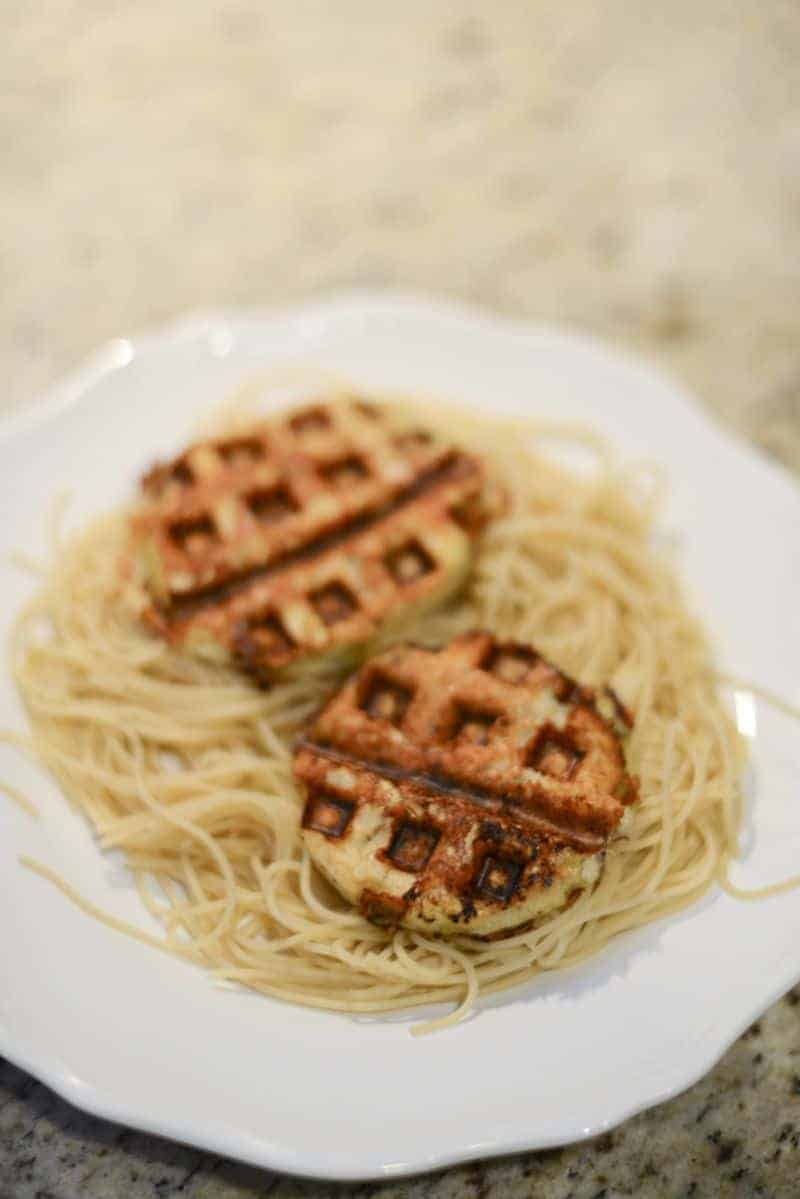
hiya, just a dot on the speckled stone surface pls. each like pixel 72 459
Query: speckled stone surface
pixel 632 169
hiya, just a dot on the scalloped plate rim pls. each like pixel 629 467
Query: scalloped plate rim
pixel 261 1151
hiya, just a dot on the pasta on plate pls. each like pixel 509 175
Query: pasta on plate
pixel 186 765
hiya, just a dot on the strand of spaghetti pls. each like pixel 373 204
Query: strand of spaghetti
pixel 470 991
pixel 21 800
pixel 193 830
pixel 723 872
pixel 420 972
pixel 666 806
pixel 340 918
pixel 137 831
pixel 91 909
pixel 765 892
pixel 770 697
pixel 28 563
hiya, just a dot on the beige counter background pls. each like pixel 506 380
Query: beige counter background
pixel 632 169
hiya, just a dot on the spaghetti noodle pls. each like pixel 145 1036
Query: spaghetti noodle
pixel 186 767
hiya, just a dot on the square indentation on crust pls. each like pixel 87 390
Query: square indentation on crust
pixel 175 474
pixel 333 603
pixel 409 562
pixel 499 877
pixel 412 845
pixel 385 700
pixel 469 515
pixel 327 814
pixel 310 420
pixel 271 504
pixel 366 408
pixel 382 909
pixel 182 473
pixel 471 726
pixel 414 439
pixel 512 664
pixel 240 451
pixel 345 472
pixel 554 753
pixel 194 536
pixel 269 635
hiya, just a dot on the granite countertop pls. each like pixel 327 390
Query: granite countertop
pixel 629 169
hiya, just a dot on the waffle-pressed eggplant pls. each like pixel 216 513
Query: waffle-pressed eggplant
pixel 301 538
pixel 467 789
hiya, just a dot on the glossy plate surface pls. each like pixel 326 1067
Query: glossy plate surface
pixel 131 1034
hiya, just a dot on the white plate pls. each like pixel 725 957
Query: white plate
pixel 131 1034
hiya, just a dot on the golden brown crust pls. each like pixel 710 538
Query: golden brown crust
pixel 472 786
pixel 304 535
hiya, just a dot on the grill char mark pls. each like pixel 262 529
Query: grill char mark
pixel 328 814
pixel 183 605
pixel 450 789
